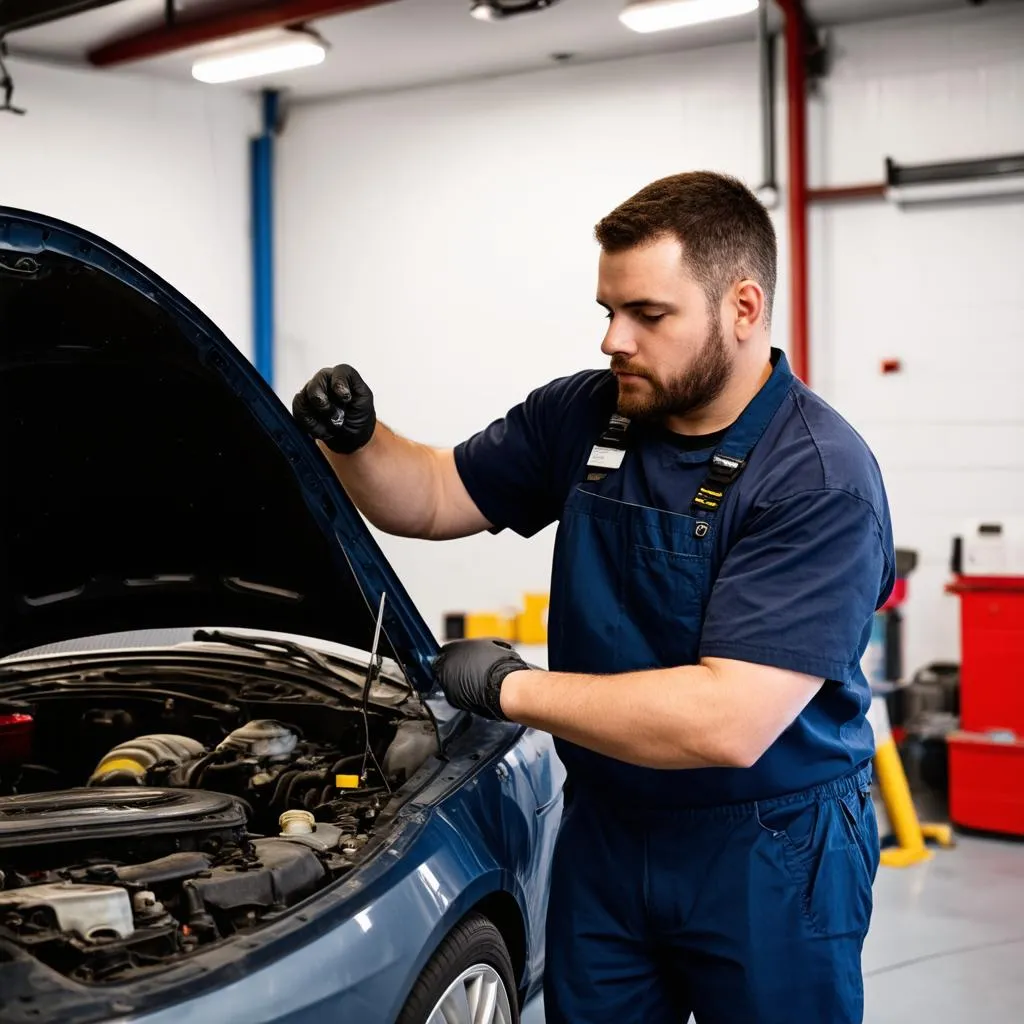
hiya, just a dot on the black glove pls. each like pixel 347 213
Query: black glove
pixel 336 407
pixel 471 673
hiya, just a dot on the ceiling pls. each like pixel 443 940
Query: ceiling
pixel 407 43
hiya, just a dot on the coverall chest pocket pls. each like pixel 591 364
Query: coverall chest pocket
pixel 665 585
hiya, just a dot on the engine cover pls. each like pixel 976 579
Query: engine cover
pixel 82 815
pixel 93 912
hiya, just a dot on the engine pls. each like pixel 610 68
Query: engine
pixel 264 761
pixel 172 842
pixel 106 910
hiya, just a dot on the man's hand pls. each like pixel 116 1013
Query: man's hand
pixel 471 673
pixel 336 407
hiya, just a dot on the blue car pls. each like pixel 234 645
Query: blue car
pixel 230 788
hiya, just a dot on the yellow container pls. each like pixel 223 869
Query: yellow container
pixel 532 621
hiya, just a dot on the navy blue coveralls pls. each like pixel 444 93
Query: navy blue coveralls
pixel 734 894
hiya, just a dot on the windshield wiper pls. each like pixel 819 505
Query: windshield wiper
pixel 290 651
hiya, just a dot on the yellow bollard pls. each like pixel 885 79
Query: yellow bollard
pixel 899 805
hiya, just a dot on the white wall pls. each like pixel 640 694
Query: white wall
pixel 158 168
pixel 441 241
pixel 938 288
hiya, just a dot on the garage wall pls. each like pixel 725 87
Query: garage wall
pixel 440 239
pixel 937 288
pixel 158 168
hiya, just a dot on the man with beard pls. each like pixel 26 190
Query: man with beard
pixel 724 540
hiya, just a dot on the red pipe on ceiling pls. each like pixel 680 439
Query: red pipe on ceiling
pixel 796 106
pixel 205 29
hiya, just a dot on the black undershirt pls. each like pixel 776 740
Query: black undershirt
pixel 683 442
pixel 695 442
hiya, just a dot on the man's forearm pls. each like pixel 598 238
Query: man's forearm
pixel 665 718
pixel 393 482
pixel 689 717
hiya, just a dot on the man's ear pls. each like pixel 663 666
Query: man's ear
pixel 749 304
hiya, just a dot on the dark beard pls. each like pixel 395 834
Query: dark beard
pixel 695 389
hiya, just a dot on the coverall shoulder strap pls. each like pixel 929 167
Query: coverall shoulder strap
pixel 610 450
pixel 730 458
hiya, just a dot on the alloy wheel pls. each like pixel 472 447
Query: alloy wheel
pixel 477 996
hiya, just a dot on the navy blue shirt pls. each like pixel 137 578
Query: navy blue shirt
pixel 803 558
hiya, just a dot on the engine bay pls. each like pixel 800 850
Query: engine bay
pixel 144 817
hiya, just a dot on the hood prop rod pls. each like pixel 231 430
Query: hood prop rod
pixel 372 671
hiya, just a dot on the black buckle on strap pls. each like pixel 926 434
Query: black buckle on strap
pixel 724 470
pixel 614 435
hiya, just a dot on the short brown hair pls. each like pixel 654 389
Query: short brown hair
pixel 725 232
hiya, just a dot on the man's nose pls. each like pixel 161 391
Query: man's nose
pixel 619 339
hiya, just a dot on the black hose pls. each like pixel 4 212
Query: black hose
pixel 281 780
pixel 198 770
pixel 344 766
pixel 766 69
pixel 300 777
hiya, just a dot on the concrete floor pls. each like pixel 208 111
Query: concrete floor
pixel 947 938
pixel 946 941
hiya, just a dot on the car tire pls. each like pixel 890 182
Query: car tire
pixel 472 967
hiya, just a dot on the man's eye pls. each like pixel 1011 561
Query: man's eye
pixel 652 318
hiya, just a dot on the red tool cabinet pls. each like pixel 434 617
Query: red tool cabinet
pixel 986 757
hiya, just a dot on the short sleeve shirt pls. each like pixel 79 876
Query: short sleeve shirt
pixel 805 531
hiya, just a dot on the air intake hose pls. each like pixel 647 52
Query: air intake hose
pixel 129 763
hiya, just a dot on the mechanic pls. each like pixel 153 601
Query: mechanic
pixel 723 542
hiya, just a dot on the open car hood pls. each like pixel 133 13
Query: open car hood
pixel 151 478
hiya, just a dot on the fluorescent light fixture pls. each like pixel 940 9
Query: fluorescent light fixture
pixel 263 54
pixel 498 10
pixel 659 15
pixel 483 11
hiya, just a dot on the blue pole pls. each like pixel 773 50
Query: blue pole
pixel 262 187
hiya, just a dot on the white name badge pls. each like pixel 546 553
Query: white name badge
pixel 606 458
